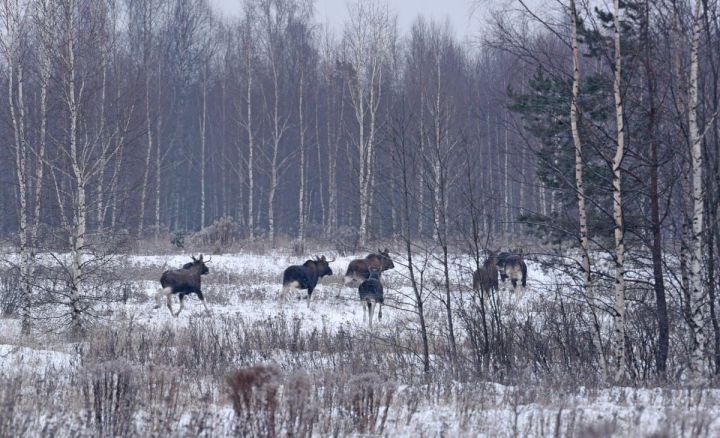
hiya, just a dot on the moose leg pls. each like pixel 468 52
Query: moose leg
pixel 182 305
pixel 163 291
pixel 371 308
pixel 310 291
pixel 168 300
pixel 202 300
pixel 380 312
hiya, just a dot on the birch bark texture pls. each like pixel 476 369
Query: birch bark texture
pixel 697 292
pixel 619 232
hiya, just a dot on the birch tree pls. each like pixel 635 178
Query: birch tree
pixel 367 37
pixel 697 292
pixel 619 232
pixel 82 149
pixel 580 187
pixel 276 16
pixel 13 16
pixel 144 14
pixel 248 55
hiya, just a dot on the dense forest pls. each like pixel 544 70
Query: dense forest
pixel 567 128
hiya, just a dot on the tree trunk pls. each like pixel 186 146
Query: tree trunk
pixel 580 187
pixel 301 195
pixel 656 248
pixel 697 292
pixel 617 207
pixel 203 124
pixel 77 236
pixel 148 155
pixel 16 104
pixel 251 157
pixel 158 160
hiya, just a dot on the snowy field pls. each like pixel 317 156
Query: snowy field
pixel 143 372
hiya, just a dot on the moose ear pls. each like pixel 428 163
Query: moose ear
pixel 387 251
pixel 200 258
pixel 193 258
pixel 322 258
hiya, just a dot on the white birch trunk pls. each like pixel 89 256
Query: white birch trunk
pixel 332 163
pixel 77 235
pixel 421 172
pixel 321 188
pixel 17 114
pixel 697 292
pixel 278 130
pixel 148 155
pixel 506 183
pixel 301 195
pixel 617 207
pixel 580 187
pixel 251 156
pixel 40 167
pixel 203 124
pixel 436 165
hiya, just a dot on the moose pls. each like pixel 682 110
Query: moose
pixel 183 282
pixel 485 278
pixel 306 276
pixel 371 293
pixel 512 266
pixel 359 270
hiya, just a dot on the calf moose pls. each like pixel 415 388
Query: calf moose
pixel 183 282
pixel 485 278
pixel 359 270
pixel 306 276
pixel 371 293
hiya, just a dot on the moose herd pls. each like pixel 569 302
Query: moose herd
pixel 363 274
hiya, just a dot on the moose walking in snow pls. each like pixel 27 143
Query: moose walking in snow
pixel 359 270
pixel 307 275
pixel 183 282
pixel 371 293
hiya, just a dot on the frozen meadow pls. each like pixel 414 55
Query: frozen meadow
pixel 316 370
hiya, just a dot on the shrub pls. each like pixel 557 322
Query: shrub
pixel 346 240
pixel 221 233
pixel 10 291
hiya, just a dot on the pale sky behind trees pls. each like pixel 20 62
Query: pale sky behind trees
pixel 465 16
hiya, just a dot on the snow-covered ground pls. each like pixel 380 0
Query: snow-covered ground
pixel 244 294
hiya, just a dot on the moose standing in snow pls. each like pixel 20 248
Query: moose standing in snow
pixel 306 276
pixel 512 266
pixel 359 270
pixel 485 279
pixel 371 293
pixel 183 282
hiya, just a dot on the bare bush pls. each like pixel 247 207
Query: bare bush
pixel 10 291
pixel 368 401
pixel 63 305
pixel 222 233
pixel 254 395
pixel 110 392
pixel 346 240
pixel 12 421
